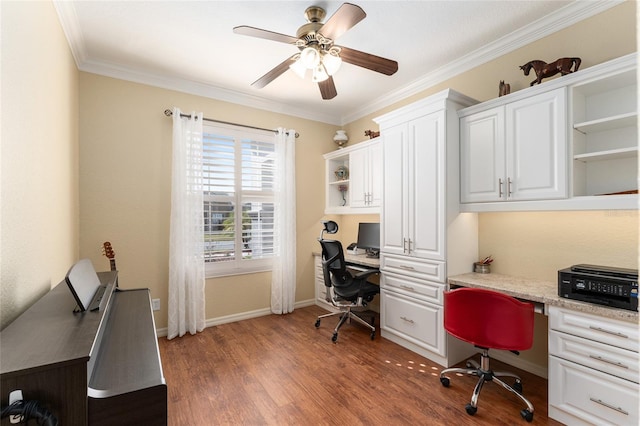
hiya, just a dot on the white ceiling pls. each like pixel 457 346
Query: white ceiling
pixel 190 46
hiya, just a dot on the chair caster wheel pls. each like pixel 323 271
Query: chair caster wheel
pixel 373 335
pixel 517 386
pixel 445 381
pixel 334 338
pixel 471 410
pixel 527 415
pixel 317 323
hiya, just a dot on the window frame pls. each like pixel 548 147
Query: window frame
pixel 239 265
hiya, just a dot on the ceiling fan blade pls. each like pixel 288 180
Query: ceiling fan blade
pixel 327 88
pixel 340 22
pixel 260 33
pixel 369 61
pixel 276 72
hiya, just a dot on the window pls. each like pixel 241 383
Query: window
pixel 238 185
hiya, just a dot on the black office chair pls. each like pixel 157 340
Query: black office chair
pixel 345 290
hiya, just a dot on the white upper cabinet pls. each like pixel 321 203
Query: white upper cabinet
pixel 570 143
pixel 416 140
pixel 365 167
pixel 516 151
pixel 413 175
pixel 354 179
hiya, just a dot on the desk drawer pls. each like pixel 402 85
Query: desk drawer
pixel 605 330
pixel 591 396
pixel 414 287
pixel 608 359
pixel 424 269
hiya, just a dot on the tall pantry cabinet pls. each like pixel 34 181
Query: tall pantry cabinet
pixel 424 237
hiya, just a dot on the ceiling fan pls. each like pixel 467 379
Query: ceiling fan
pixel 317 51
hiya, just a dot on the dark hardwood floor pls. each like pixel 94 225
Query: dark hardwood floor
pixel 282 370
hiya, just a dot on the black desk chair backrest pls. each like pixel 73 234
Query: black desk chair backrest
pixel 334 266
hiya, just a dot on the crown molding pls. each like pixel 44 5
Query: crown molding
pixel 565 17
pixel 202 89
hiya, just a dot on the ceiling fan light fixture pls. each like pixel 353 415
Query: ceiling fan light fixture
pixel 319 74
pixel 298 67
pixel 310 57
pixel 331 62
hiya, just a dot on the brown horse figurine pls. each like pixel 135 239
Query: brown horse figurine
pixel 544 70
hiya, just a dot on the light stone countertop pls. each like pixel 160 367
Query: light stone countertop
pixel 539 291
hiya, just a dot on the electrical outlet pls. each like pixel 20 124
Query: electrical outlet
pixel 155 303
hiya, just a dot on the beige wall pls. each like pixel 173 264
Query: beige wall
pixel 125 177
pixel 39 156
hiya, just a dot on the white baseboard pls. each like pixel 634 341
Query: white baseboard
pixel 162 332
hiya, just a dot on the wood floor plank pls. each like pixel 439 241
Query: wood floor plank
pixel 280 369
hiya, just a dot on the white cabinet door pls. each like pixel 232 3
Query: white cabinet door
pixel 359 176
pixel 366 176
pixel 375 175
pixel 426 187
pixel 537 147
pixel 393 227
pixel 482 156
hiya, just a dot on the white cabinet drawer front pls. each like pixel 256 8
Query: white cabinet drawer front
pixel 425 269
pixel 595 397
pixel 420 323
pixel 608 359
pixel 609 331
pixel 425 290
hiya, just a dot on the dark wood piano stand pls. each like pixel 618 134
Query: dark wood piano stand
pixel 90 368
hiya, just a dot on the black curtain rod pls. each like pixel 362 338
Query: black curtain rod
pixel 169 113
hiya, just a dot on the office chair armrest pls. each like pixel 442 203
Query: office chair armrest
pixel 364 275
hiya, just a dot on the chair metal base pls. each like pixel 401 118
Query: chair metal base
pixel 485 374
pixel 344 316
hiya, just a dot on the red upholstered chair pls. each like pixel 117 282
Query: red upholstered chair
pixel 488 320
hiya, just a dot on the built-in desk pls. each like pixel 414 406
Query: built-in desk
pixel 593 360
pixel 542 293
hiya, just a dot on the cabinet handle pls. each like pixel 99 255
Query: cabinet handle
pixel 618 409
pixel 608 361
pixel 410 321
pixel 409 245
pixel 508 187
pixel 404 245
pixel 406 287
pixel 499 187
pixel 615 333
pixel 410 268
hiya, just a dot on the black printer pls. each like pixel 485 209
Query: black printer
pixel 603 285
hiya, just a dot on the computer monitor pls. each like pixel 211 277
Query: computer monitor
pixel 369 238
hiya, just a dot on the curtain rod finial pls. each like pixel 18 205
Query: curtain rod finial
pixel 168 112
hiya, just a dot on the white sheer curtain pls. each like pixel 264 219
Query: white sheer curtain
pixel 283 281
pixel 186 257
